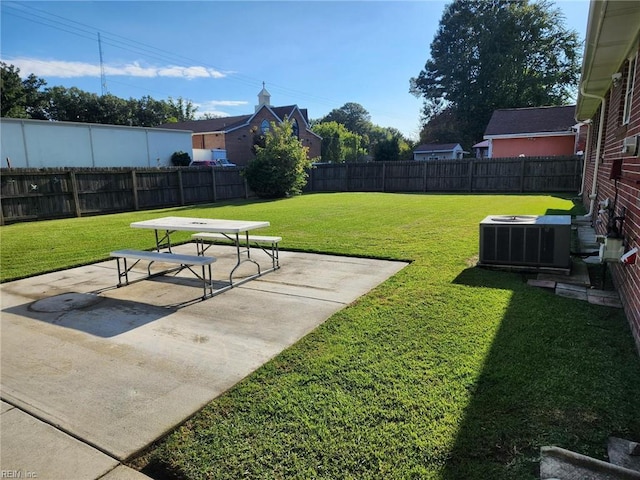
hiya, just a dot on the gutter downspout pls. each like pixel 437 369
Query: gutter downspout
pixel 594 184
pixel 589 124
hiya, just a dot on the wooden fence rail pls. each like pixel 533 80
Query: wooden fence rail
pixel 34 194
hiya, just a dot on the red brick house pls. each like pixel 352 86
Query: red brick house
pixel 609 100
pixel 533 132
pixel 236 134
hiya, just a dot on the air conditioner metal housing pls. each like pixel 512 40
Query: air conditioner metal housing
pixel 526 242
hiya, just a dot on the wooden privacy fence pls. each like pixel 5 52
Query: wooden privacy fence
pixel 499 175
pixel 33 194
pixel 29 194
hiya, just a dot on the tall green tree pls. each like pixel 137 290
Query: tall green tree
pixel 148 112
pixel 20 98
pixel 353 116
pixel 443 127
pixel 181 110
pixel 387 150
pixel 280 167
pixel 114 110
pixel 72 105
pixel 338 143
pixel 490 54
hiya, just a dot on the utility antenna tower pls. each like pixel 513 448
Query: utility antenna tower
pixel 103 78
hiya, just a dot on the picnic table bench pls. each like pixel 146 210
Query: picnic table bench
pixel 183 262
pixel 258 240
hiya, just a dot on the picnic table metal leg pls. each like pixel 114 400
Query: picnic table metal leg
pixel 123 273
pixel 166 237
pixel 239 252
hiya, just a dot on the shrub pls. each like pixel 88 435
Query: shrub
pixel 279 168
pixel 180 159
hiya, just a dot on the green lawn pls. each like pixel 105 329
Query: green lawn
pixel 445 371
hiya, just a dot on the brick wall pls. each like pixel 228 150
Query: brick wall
pixel 625 191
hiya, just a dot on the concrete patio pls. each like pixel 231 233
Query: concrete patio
pixel 92 374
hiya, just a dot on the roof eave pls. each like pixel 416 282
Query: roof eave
pixel 612 31
pixel 562 133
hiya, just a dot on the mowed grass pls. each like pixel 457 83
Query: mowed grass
pixel 445 371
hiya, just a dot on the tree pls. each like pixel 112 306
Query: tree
pixel 334 136
pixel 147 112
pixel 443 127
pixel 72 105
pixel 181 110
pixel 280 167
pixel 209 116
pixel 20 98
pixel 114 110
pixel 490 54
pixel 387 150
pixel 180 159
pixel 353 116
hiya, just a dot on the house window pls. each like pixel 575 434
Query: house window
pixel 295 129
pixel 264 127
pixel 628 94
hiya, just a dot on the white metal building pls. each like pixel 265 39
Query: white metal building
pixel 28 143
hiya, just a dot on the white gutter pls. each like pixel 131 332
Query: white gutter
pixel 594 184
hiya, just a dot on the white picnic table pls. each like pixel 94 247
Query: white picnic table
pixel 236 231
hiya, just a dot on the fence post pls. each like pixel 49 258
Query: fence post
pixel 213 184
pixel 180 186
pixel 471 175
pixel 74 190
pixel 384 175
pixel 424 175
pixel 134 187
pixel 346 175
pixel 522 175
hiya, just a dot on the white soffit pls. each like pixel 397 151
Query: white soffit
pixel 612 32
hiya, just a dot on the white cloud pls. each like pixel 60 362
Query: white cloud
pixel 224 103
pixel 65 69
pixel 211 107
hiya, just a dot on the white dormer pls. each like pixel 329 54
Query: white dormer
pixel 264 98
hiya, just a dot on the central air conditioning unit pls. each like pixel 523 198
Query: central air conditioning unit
pixel 528 242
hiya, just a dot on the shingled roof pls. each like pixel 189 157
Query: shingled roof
pixel 224 124
pixel 212 125
pixel 513 121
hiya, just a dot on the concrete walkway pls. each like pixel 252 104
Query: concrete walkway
pixel 92 374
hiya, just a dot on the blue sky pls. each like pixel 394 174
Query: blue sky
pixel 317 55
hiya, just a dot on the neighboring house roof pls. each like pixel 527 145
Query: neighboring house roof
pixel 516 121
pixel 221 124
pixel 611 30
pixel 482 144
pixel 227 124
pixel 436 147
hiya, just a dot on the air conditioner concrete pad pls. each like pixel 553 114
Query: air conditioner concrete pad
pixel 604 297
pixel 541 283
pixel 571 291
